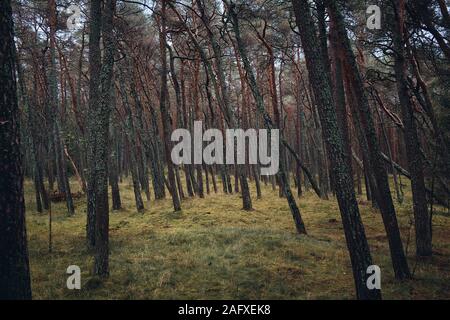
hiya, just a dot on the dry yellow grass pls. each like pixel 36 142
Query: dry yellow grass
pixel 214 250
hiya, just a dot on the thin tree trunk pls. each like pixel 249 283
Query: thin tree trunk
pixel 414 155
pixel 299 224
pixel 63 180
pixel 131 137
pixel 113 160
pixel 166 122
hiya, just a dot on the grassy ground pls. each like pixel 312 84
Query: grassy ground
pixel 214 250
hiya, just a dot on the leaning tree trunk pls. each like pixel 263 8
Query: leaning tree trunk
pixel 354 230
pixel 14 266
pixel 339 97
pixel 414 155
pixel 382 193
pixel 295 211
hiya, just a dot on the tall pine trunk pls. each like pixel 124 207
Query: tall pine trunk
pixel 93 116
pixel 354 230
pixel 14 265
pixel 414 155
pixel 101 258
pixel 165 114
pixel 382 193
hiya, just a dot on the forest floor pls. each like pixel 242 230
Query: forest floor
pixel 215 250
